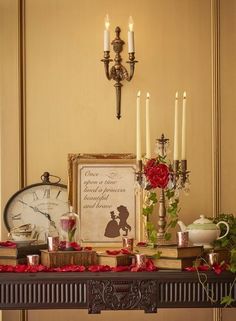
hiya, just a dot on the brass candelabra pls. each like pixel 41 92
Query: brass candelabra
pixel 118 72
pixel 179 177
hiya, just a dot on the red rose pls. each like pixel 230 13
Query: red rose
pixel 158 175
pixel 68 224
pixel 150 164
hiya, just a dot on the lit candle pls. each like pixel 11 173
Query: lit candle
pixel 131 35
pixel 148 141
pixel 138 129
pixel 176 145
pixel 183 154
pixel 107 34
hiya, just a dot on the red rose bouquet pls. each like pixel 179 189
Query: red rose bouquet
pixel 157 173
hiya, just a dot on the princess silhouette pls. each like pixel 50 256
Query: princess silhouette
pixel 112 228
pixel 123 216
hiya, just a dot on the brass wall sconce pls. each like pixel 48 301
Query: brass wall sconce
pixel 118 72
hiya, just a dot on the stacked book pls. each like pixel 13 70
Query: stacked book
pixel 172 256
pixel 18 255
pixel 114 260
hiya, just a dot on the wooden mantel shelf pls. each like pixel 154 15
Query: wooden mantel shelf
pixel 147 291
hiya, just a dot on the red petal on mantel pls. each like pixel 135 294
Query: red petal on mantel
pixel 150 266
pixel 121 268
pixel 142 244
pixel 199 268
pixel 88 248
pixel 8 244
pixel 218 268
pixel 99 268
pixel 113 252
pixel 136 269
pixel 21 268
pixel 7 268
pixel 125 251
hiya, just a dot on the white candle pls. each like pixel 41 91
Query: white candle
pixel 148 140
pixel 138 129
pixel 131 35
pixel 107 34
pixel 183 154
pixel 176 145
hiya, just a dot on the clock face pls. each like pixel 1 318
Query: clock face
pixel 41 205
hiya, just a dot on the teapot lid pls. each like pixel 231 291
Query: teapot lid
pixel 203 223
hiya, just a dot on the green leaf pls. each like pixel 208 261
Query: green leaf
pixel 153 197
pixel 150 226
pixel 170 193
pixel 227 300
pixel 153 236
pixel 148 210
pixel 233 268
pixel 173 223
pixel 167 236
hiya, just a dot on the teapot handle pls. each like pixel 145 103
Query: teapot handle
pixel 227 231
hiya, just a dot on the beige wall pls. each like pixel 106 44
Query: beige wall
pixel 71 106
pixel 228 81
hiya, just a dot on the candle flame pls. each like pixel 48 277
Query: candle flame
pixel 184 95
pixel 107 22
pixel 148 95
pixel 131 24
pixel 139 93
pixel 176 95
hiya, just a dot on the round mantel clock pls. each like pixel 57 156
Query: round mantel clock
pixel 40 204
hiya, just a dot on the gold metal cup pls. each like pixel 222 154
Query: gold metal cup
pixel 213 258
pixel 183 239
pixel 140 260
pixel 128 243
pixel 33 259
pixel 53 243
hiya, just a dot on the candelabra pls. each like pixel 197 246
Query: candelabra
pixel 118 72
pixel 179 179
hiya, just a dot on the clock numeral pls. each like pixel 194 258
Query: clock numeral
pixel 59 192
pixel 16 217
pixel 35 196
pixel 46 193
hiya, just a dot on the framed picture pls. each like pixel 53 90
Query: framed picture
pixel 102 192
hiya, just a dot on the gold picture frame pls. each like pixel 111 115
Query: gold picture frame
pixel 102 191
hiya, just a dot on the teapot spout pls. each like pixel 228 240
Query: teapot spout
pixel 182 226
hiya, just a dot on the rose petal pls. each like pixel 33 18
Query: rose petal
pixel 125 251
pixel 8 244
pixel 113 252
pixel 121 268
pixel 88 248
pixel 142 244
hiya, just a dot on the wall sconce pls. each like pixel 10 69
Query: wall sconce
pixel 118 72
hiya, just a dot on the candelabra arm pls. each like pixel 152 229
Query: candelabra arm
pixel 106 60
pixel 132 63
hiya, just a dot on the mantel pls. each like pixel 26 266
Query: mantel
pixel 147 291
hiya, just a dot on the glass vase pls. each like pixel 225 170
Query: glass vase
pixel 68 223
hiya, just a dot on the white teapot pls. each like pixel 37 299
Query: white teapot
pixel 203 231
